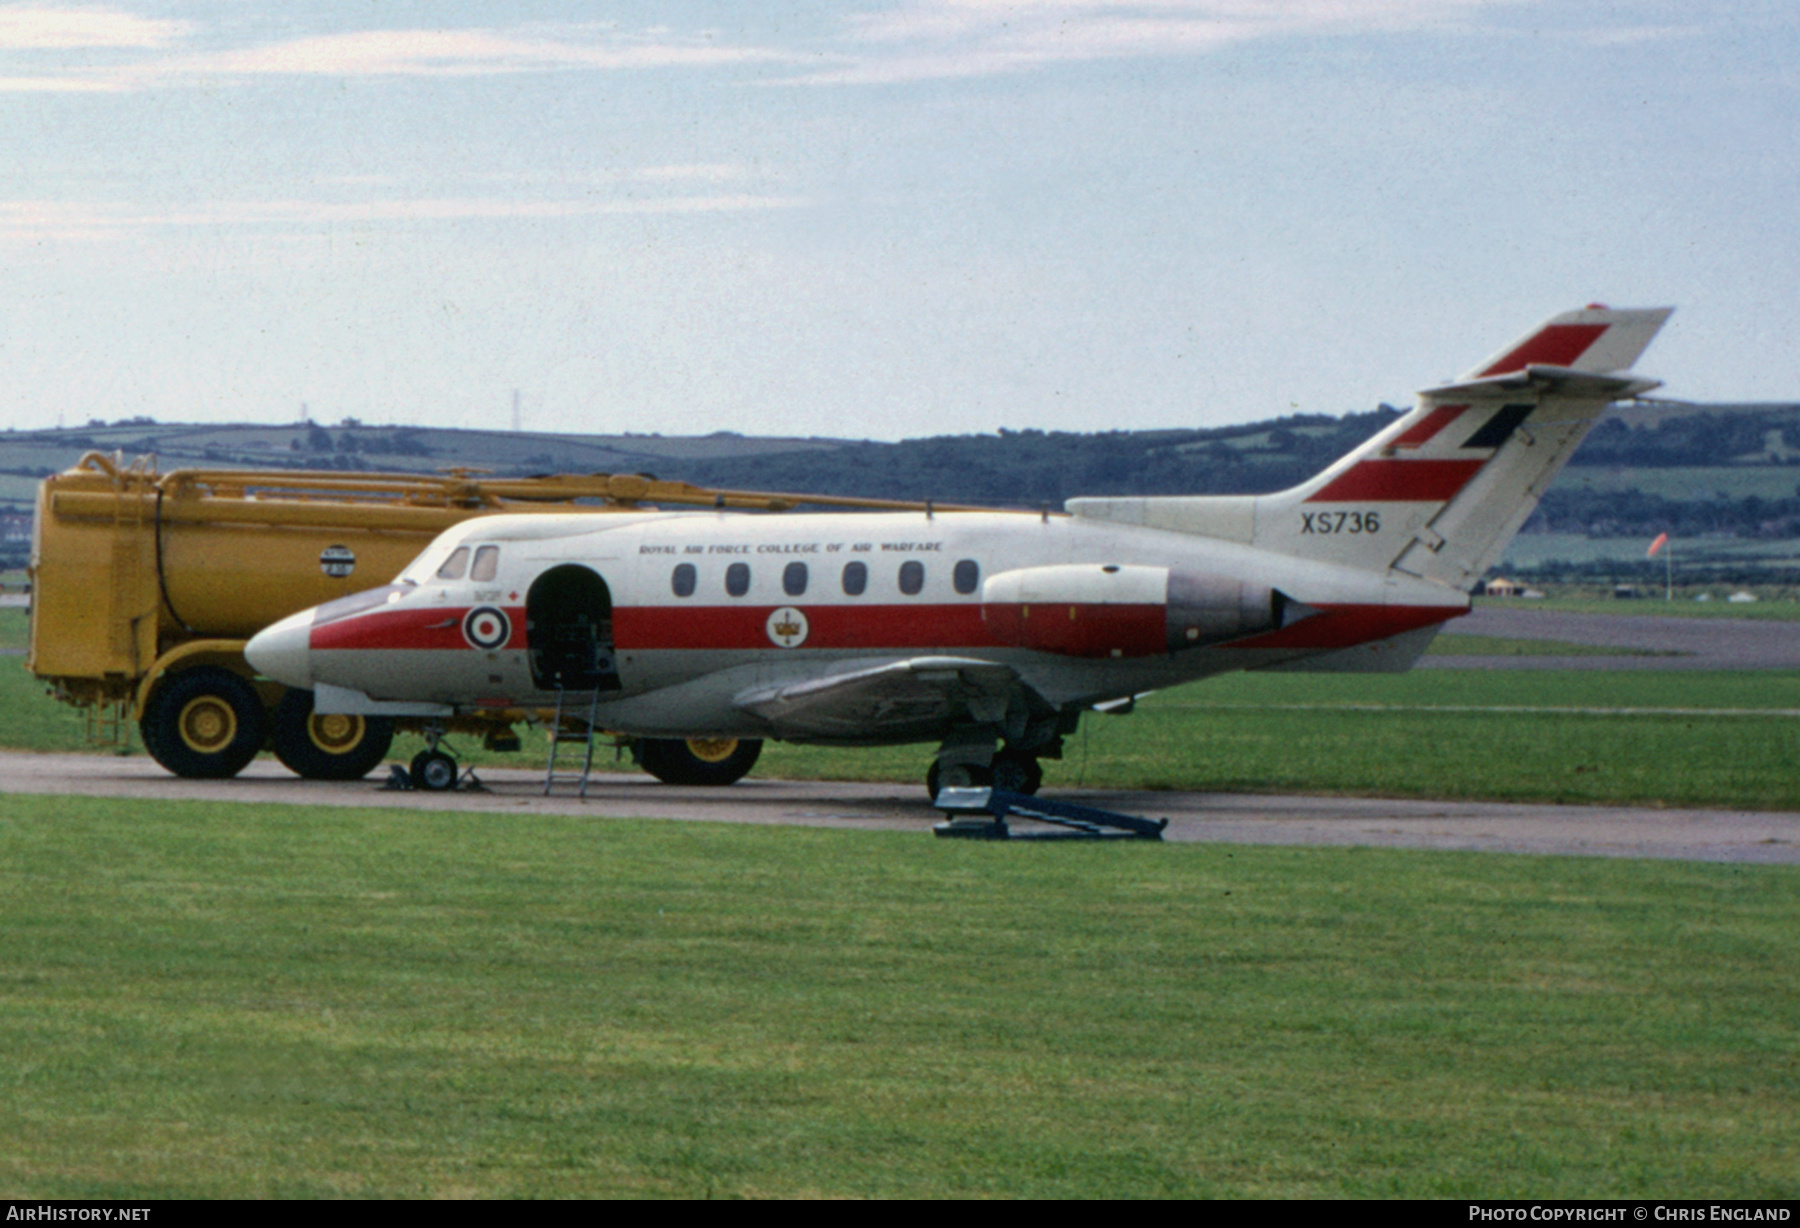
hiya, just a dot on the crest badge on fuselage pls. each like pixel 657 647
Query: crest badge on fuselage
pixel 787 627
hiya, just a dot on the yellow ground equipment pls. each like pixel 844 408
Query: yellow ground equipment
pixel 146 586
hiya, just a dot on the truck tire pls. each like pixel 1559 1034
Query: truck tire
pixel 205 723
pixel 698 761
pixel 328 747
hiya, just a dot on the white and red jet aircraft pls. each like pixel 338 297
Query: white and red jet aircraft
pixel 988 632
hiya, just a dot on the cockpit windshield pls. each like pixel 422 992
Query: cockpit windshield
pixel 455 565
pixel 356 603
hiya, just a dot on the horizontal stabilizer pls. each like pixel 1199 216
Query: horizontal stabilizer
pixel 1545 380
pixel 1593 339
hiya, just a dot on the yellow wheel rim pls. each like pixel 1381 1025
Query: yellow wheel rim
pixel 335 734
pixel 712 750
pixel 207 725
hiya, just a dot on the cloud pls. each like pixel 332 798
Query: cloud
pixel 34 221
pixel 965 38
pixel 467 52
pixel 471 52
pixel 49 29
pixel 61 85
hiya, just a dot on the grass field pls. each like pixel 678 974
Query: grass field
pixel 205 1000
pixel 1460 644
pixel 1778 608
pixel 1535 550
pixel 1696 482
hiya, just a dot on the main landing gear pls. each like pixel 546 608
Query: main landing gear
pixel 1012 770
pixel 1004 754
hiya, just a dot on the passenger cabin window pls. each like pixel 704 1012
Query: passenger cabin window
pixel 912 577
pixel 737 579
pixel 856 579
pixel 683 580
pixel 793 579
pixel 487 562
pixel 455 565
pixel 967 576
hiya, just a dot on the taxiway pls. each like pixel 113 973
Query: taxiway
pixel 1603 831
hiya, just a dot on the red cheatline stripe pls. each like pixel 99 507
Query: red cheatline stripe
pixel 1345 626
pixel 438 628
pixel 1399 481
pixel 888 627
pixel 1433 422
pixel 1557 345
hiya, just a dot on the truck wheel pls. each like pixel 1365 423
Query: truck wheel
pixel 328 747
pixel 698 761
pixel 205 723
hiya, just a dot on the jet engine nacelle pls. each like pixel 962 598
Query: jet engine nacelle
pixel 1112 610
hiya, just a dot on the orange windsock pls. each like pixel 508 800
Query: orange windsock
pixel 1656 545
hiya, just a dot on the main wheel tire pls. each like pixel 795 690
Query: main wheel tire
pixel 433 771
pixel 956 776
pixel 204 723
pixel 1016 772
pixel 698 761
pixel 328 747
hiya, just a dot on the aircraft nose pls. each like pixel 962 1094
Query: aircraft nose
pixel 283 651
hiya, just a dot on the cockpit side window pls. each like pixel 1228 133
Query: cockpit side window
pixel 455 565
pixel 487 564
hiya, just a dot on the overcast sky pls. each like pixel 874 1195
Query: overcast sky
pixel 879 219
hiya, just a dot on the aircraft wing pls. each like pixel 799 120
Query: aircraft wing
pixel 894 699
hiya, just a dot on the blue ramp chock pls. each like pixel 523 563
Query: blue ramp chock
pixel 967 806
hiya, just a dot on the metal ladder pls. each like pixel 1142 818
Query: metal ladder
pixel 568 710
pixel 107 725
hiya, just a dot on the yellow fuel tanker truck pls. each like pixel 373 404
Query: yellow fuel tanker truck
pixel 146 586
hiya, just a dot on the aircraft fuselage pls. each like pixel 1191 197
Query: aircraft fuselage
pixel 703 624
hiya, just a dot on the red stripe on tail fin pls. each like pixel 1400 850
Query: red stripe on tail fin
pixel 1430 425
pixel 1554 345
pixel 1399 481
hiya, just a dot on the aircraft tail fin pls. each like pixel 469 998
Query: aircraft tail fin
pixel 1442 490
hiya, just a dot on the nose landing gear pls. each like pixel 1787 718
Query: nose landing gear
pixel 434 768
pixel 434 771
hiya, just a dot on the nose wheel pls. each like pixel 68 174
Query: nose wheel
pixel 433 771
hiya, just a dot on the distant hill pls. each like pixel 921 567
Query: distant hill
pixel 1698 471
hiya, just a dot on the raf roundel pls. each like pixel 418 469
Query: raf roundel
pixel 486 627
